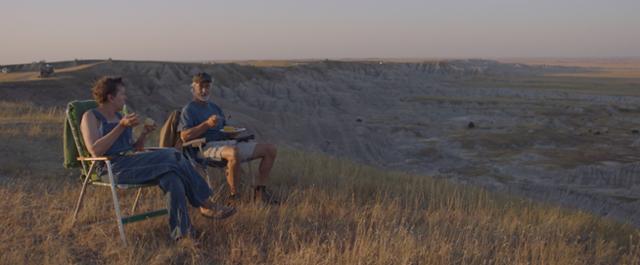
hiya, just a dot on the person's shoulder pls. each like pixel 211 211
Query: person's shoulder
pixel 213 105
pixel 189 107
pixel 89 114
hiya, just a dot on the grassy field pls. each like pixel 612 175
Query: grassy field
pixel 335 212
pixel 607 68
pixel 587 83
pixel 30 76
pixel 605 63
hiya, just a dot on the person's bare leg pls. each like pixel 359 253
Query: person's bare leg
pixel 267 153
pixel 230 154
pixel 236 173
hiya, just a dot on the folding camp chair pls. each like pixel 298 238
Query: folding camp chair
pixel 202 164
pixel 170 137
pixel 76 155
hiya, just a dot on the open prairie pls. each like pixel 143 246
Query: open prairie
pixel 604 67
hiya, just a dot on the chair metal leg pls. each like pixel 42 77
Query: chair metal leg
pixel 135 202
pixel 223 173
pixel 81 197
pixel 116 204
pixel 217 191
pixel 253 177
pixel 79 203
pixel 206 173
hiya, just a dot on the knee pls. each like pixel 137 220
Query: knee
pixel 272 150
pixel 232 154
pixel 170 182
pixel 170 154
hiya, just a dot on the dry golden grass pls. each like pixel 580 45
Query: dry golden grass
pixel 335 212
pixel 271 63
pixel 627 68
pixel 609 73
pixel 612 86
pixel 611 63
pixel 30 76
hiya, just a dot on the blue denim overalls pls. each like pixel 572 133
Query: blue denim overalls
pixel 174 174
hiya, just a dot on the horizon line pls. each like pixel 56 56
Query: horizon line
pixel 434 58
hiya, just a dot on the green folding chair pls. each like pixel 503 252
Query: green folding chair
pixel 77 156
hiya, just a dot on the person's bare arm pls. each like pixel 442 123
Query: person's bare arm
pixel 139 144
pixel 197 131
pixel 96 143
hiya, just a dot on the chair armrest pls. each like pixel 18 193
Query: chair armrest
pixel 245 138
pixel 101 158
pixel 195 142
pixel 156 148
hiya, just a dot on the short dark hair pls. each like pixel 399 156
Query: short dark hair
pixel 201 78
pixel 105 86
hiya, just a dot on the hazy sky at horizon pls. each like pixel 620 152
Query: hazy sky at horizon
pixel 193 30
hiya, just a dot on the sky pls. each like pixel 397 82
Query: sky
pixel 192 30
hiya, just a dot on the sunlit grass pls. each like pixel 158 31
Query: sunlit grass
pixel 21 112
pixel 34 75
pixel 335 212
pixel 584 84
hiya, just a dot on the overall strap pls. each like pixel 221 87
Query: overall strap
pixel 99 116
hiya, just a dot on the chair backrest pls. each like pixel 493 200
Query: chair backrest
pixel 169 134
pixel 170 137
pixel 73 144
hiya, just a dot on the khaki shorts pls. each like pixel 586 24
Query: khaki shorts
pixel 213 150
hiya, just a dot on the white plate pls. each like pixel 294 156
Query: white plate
pixel 236 131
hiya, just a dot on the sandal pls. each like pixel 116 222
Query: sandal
pixel 216 211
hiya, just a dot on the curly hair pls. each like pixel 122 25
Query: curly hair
pixel 104 87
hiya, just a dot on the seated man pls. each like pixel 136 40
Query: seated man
pixel 202 118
